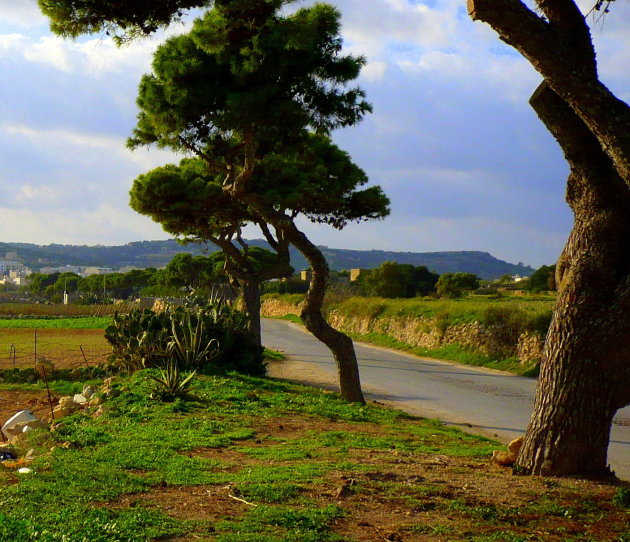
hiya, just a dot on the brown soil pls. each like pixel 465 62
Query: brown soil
pixel 403 496
pixel 65 348
pixel 35 401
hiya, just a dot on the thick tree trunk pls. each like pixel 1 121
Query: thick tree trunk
pixel 251 300
pixel 585 373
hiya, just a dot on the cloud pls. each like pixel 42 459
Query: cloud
pixel 452 140
pixel 105 225
pixel 22 13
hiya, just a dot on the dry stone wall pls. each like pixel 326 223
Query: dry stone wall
pixel 425 332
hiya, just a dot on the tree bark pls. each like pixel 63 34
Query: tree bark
pixel 251 299
pixel 340 345
pixel 585 371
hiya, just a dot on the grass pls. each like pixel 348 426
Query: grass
pixel 84 322
pixel 452 311
pixel 253 459
pixel 452 352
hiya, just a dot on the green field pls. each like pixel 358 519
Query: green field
pixel 86 322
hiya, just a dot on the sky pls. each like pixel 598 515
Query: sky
pixel 452 140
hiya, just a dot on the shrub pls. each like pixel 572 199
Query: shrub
pixel 171 384
pixel 214 337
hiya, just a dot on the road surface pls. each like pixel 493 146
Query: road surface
pixel 483 401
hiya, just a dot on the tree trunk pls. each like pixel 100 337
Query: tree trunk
pixel 340 345
pixel 559 47
pixel 585 372
pixel 251 299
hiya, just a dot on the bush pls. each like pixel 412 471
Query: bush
pixel 507 323
pixel 144 339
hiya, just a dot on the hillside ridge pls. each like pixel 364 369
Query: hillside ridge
pixel 158 253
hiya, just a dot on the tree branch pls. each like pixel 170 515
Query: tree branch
pixel 236 185
pixel 570 25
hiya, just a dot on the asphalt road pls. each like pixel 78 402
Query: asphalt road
pixel 483 401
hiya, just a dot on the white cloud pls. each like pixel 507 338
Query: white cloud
pixel 93 58
pixel 22 13
pixel 374 71
pixel 452 140
pixel 106 225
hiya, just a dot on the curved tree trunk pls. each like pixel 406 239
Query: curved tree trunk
pixel 340 344
pixel 585 373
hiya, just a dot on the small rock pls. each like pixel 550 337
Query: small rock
pixel 508 458
pixel 514 447
pixel 503 458
pixel 87 392
pixel 67 403
pixel 24 470
pixel 79 399
pixel 59 412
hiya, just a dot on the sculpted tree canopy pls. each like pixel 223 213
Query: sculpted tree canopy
pixel 317 180
pixel 585 371
pixel 242 91
pixel 123 18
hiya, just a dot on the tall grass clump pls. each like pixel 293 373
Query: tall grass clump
pixel 209 338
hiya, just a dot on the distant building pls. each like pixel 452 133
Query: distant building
pixel 306 275
pixel 77 270
pixel 12 264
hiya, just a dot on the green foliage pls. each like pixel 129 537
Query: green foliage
pixel 543 279
pixel 622 497
pixel 245 65
pixel 292 285
pixel 188 346
pixel 123 18
pixel 392 280
pixel 143 339
pixel 172 384
pixel 453 285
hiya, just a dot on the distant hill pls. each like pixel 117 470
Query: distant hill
pixel 159 253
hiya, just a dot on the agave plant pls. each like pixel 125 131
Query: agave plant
pixel 189 345
pixel 172 383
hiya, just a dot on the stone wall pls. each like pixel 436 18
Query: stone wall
pixel 425 333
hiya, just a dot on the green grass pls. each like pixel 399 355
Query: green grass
pixel 84 322
pixel 451 352
pixel 278 449
pixel 140 444
pixel 453 311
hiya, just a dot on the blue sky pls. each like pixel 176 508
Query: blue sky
pixel 452 140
